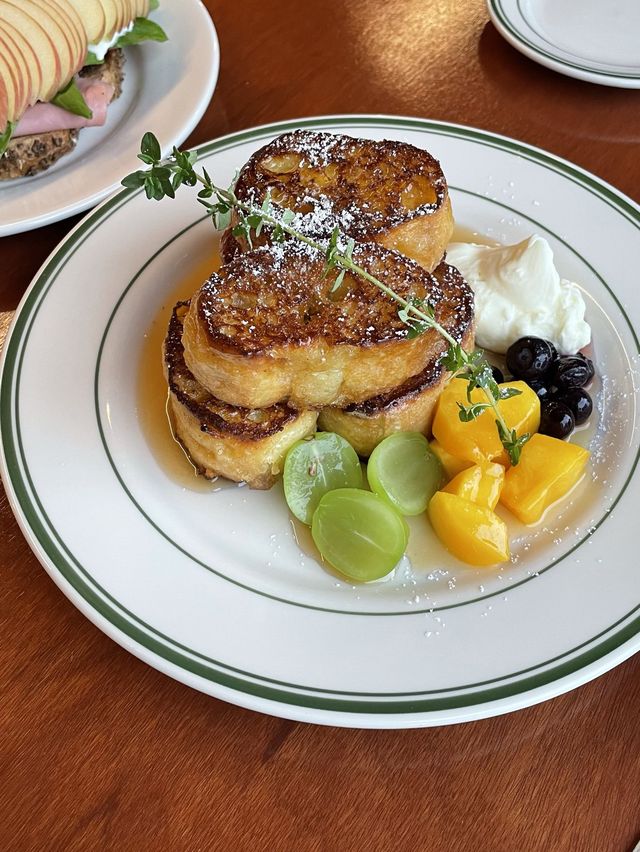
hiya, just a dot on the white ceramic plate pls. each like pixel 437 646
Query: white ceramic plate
pixel 167 86
pixel 211 586
pixel 588 39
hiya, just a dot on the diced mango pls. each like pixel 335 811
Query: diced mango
pixel 451 464
pixel 547 470
pixel 478 440
pixel 481 483
pixel 474 534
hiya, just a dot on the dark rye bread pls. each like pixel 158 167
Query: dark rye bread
pixel 268 327
pixel 411 405
pixel 241 444
pixel 28 155
pixel 387 192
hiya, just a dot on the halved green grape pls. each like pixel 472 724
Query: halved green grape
pixel 318 465
pixel 359 534
pixel 404 470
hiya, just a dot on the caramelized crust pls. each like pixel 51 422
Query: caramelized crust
pixel 411 406
pixel 222 440
pixel 267 327
pixel 387 192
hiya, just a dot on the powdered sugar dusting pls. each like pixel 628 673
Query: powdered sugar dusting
pixel 356 184
pixel 282 292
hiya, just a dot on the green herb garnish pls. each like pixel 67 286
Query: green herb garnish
pixel 143 30
pixel 163 177
pixel 71 99
pixel 5 137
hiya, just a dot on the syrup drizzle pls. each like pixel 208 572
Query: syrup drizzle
pixel 152 394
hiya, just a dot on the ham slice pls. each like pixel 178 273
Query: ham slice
pixel 42 118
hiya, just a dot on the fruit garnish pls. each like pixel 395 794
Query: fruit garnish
pixel 478 440
pixel 405 471
pixel 573 371
pixel 315 466
pixel 556 419
pixel 472 533
pixel 359 534
pixel 452 464
pixel 548 469
pixel 480 483
pixel 541 388
pixel 580 403
pixel 531 357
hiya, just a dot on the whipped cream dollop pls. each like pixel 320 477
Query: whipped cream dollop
pixel 519 292
pixel 100 50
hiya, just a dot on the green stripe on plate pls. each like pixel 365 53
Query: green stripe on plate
pixel 431 609
pixel 518 35
pixel 59 560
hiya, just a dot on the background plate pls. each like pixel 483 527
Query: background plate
pixel 593 41
pixel 167 86
pixel 212 587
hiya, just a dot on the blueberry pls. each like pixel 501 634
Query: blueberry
pixel 498 375
pixel 531 357
pixel 588 363
pixel 540 387
pixel 556 419
pixel 579 401
pixel 573 371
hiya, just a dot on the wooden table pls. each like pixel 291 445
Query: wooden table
pixel 99 751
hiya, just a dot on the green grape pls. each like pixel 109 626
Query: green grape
pixel 404 470
pixel 359 534
pixel 315 466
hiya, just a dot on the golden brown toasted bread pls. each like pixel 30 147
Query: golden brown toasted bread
pixel 411 406
pixel 222 440
pixel 387 192
pixel 267 327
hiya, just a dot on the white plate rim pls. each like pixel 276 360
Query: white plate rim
pixel 200 91
pixel 490 702
pixel 507 17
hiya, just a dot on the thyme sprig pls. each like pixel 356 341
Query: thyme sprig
pixel 165 176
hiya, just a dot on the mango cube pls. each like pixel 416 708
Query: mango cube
pixel 478 440
pixel 547 470
pixel 480 483
pixel 451 464
pixel 473 533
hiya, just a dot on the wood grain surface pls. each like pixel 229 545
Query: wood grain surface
pixel 99 751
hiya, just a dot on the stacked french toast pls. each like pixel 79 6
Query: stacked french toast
pixel 271 347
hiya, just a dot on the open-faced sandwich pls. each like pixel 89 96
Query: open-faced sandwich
pixel 61 64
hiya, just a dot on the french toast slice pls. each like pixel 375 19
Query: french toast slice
pixel 387 192
pixel 244 445
pixel 411 406
pixel 269 326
